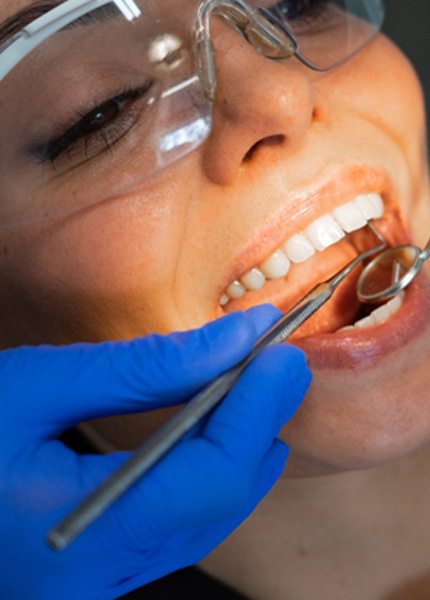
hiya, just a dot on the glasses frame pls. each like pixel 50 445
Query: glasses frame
pixel 267 34
pixel 263 30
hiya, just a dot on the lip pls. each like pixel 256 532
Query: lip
pixel 363 348
pixel 305 206
pixel 352 349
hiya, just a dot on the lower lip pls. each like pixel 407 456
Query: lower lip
pixel 362 348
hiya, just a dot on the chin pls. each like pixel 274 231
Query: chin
pixel 369 401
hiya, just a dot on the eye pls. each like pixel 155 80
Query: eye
pixel 295 9
pixel 96 130
pixel 310 17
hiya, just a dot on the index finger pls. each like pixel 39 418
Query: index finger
pixel 48 389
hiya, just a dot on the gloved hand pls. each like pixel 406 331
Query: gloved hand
pixel 180 510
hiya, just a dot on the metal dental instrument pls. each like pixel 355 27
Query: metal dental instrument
pixel 162 441
pixel 391 272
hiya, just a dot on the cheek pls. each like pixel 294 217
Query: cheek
pixel 107 271
pixel 132 241
pixel 112 251
pixel 383 89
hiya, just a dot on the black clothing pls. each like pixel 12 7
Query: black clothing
pixel 188 584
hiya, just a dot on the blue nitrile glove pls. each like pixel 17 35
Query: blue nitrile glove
pixel 186 505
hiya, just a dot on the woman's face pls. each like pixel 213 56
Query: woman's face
pixel 288 146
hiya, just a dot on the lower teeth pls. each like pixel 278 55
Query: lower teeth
pixel 379 315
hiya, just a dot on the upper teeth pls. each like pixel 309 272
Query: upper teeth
pixel 319 235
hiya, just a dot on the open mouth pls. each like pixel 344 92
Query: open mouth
pixel 313 254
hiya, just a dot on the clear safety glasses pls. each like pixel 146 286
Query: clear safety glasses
pixel 96 96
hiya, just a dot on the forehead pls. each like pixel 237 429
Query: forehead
pixel 9 7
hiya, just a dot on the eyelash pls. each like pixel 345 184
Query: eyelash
pixel 302 12
pixel 88 132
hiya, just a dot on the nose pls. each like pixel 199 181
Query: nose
pixel 259 102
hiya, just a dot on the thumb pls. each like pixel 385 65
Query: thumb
pixel 48 389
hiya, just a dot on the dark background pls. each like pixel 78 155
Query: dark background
pixel 408 24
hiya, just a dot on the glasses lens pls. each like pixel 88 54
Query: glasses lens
pixel 327 32
pixel 97 108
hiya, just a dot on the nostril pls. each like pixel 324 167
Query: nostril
pixel 318 114
pixel 268 141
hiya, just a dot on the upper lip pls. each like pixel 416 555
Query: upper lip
pixel 302 208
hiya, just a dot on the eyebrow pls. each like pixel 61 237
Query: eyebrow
pixel 14 24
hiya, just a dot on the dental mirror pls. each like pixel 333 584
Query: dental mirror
pixel 390 273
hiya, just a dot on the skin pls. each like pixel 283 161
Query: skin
pixel 100 274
